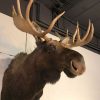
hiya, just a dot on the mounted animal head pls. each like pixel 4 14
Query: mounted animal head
pixel 56 55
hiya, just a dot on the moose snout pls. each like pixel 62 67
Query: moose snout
pixel 78 68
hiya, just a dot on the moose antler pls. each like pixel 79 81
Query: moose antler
pixel 76 39
pixel 25 25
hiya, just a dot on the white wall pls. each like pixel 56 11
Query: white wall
pixel 85 87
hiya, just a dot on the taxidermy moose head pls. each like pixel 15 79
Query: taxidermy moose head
pixel 27 74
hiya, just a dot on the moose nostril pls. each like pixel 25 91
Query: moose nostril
pixel 74 67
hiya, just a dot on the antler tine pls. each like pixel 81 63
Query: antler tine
pixel 89 36
pixel 66 33
pixel 75 33
pixel 19 9
pixel 14 11
pixel 65 41
pixel 87 32
pixel 52 24
pixel 28 9
pixel 78 33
